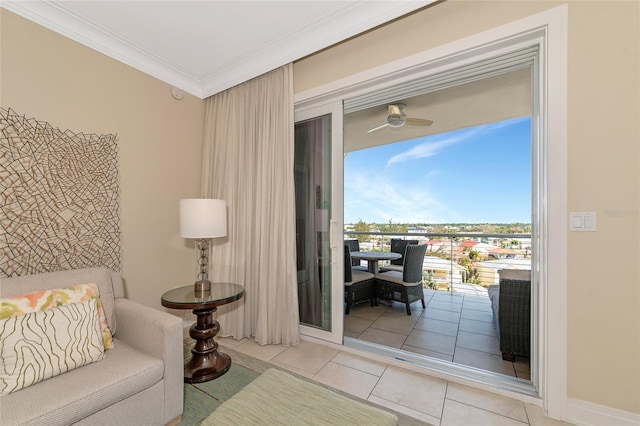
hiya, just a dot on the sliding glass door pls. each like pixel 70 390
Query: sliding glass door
pixel 318 220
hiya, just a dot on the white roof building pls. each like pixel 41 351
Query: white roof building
pixel 488 270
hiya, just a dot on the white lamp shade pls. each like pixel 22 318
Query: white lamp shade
pixel 203 218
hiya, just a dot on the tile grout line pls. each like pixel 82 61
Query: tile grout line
pixel 377 382
pixel 455 344
pixel 446 392
pixel 492 412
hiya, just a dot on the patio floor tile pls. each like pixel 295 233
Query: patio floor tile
pixel 415 391
pixel 432 341
pixel 383 337
pixel 441 315
pixel 437 326
pixel 457 328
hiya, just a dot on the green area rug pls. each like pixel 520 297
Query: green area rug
pixel 201 399
pixel 278 398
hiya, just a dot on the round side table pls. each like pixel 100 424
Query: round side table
pixel 206 362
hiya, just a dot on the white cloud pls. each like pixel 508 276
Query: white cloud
pixel 378 198
pixel 425 150
pixel 432 146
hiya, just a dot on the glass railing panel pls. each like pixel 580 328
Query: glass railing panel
pixel 464 263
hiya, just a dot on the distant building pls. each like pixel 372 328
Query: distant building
pixel 502 253
pixel 488 270
pixel 445 271
pixel 468 244
pixel 484 248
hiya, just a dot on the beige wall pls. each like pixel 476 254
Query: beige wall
pixel 48 77
pixel 603 167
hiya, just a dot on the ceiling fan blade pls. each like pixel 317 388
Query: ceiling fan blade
pixel 378 128
pixel 418 122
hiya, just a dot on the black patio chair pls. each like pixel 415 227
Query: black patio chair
pixel 397 246
pixel 354 245
pixel 359 286
pixel 406 286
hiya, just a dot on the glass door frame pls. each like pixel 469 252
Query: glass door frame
pixel 334 109
pixel 548 30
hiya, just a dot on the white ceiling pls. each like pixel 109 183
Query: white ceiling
pixel 204 47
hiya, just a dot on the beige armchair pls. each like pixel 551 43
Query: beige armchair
pixel 138 382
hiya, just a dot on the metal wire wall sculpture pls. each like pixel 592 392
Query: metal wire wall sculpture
pixel 59 198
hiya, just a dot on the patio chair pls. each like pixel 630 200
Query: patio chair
pixel 359 286
pixel 397 246
pixel 511 303
pixel 406 286
pixel 354 245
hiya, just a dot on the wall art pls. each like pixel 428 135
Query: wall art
pixel 59 198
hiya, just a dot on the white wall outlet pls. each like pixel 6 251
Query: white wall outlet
pixel 582 221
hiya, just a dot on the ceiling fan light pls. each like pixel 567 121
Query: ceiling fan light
pixel 395 121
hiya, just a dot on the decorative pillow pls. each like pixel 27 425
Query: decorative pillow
pixel 39 345
pixel 47 299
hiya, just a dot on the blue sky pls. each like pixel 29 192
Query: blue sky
pixel 475 175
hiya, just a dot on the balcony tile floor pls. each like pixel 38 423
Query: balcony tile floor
pixel 418 395
pixel 453 327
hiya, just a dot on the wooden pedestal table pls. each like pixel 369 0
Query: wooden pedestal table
pixel 206 363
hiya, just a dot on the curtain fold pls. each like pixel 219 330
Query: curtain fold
pixel 248 160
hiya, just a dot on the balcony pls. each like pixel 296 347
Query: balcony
pixel 457 324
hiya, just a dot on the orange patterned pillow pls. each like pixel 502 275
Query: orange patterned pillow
pixel 46 299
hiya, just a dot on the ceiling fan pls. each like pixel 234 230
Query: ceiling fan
pixel 398 118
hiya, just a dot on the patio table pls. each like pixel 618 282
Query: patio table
pixel 373 257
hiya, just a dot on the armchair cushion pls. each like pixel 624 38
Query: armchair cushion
pixel 359 276
pixel 396 277
pixel 159 335
pixel 122 373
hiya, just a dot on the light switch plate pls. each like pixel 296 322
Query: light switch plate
pixel 582 221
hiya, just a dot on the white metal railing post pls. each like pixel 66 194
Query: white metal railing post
pixel 451 268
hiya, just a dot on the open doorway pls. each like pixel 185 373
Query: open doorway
pixel 538 43
pixel 452 168
pixel 457 177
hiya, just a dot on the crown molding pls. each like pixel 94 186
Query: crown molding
pixel 347 21
pixel 55 17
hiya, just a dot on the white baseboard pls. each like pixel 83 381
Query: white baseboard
pixel 587 413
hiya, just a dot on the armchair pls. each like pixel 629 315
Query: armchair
pixel 354 245
pixel 511 303
pixel 406 286
pixel 359 286
pixel 139 381
pixel 398 245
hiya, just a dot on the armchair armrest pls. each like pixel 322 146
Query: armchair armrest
pixel 158 334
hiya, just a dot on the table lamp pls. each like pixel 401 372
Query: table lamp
pixel 201 219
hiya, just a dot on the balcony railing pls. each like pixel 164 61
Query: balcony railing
pixel 458 262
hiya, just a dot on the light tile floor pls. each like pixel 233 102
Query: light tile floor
pixel 418 395
pixel 453 327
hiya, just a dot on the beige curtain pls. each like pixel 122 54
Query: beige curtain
pixel 248 161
